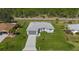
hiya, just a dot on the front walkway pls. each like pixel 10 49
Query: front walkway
pixel 31 43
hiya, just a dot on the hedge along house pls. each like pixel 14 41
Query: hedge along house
pixel 6 27
pixel 36 27
pixel 74 28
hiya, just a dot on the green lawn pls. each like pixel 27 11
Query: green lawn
pixel 53 41
pixel 47 41
pixel 18 42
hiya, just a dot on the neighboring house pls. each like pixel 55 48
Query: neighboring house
pixel 36 27
pixel 6 27
pixel 5 30
pixel 74 28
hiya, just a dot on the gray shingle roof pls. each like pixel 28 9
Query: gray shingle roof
pixel 36 25
pixel 73 27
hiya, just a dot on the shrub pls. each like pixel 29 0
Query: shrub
pixel 77 33
pixel 68 31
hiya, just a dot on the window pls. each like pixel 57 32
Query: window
pixel 50 29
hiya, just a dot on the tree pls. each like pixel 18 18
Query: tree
pixel 6 16
pixel 57 20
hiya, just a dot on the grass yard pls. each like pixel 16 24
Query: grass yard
pixel 73 39
pixel 53 41
pixel 47 41
pixel 18 42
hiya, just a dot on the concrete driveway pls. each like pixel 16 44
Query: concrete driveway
pixel 31 43
pixel 2 37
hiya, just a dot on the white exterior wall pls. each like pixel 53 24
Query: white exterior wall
pixel 49 31
pixel 74 32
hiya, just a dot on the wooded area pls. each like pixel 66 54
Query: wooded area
pixel 7 14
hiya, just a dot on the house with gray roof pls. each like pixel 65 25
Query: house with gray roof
pixel 73 27
pixel 35 28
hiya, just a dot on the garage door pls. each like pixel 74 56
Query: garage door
pixel 32 32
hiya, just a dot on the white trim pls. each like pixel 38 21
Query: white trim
pixel 74 32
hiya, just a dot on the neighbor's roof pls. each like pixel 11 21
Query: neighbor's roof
pixel 6 26
pixel 36 25
pixel 73 27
